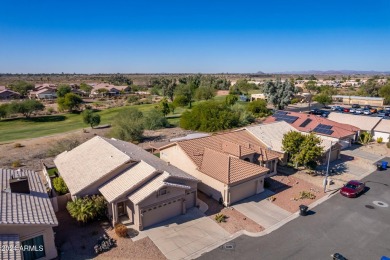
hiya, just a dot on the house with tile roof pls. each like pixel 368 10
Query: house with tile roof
pixel 345 133
pixel 271 135
pixel 6 94
pixel 382 130
pixel 230 166
pixel 27 216
pixel 110 89
pixel 43 93
pixel 138 186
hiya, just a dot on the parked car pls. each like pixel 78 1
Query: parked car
pixel 319 112
pixel 368 107
pixel 373 110
pixel 383 113
pixel 336 108
pixel 346 110
pixel 352 110
pixel 340 109
pixel 355 106
pixel 352 189
pixel 367 112
pixel 387 108
pixel 359 111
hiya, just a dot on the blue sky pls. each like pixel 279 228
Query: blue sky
pixel 193 36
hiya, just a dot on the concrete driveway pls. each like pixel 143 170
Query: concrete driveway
pixel 262 211
pixel 355 151
pixel 184 235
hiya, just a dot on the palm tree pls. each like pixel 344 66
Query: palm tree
pixel 81 209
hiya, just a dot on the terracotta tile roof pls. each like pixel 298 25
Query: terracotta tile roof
pixel 228 169
pixel 339 130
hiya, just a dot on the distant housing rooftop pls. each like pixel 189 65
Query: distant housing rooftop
pixel 189 137
pixel 359 97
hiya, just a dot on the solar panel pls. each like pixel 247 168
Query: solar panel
pixel 325 126
pixel 306 122
pixel 280 113
pixel 323 129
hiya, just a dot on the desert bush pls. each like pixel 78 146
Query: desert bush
pixel 155 120
pixel 62 146
pixel 132 99
pixel 220 218
pixel 379 140
pixel 60 185
pixel 87 208
pixel 16 164
pixel 18 145
pixel 306 195
pixel 121 230
pixel 294 100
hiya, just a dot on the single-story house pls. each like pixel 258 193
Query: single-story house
pixel 258 97
pixel 271 135
pixel 349 100
pixel 27 216
pixel 230 166
pixel 345 133
pixel 8 94
pixel 382 130
pixel 43 93
pixel 138 186
pixel 109 89
pixel 365 123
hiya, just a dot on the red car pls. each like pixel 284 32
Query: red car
pixel 352 189
pixel 346 110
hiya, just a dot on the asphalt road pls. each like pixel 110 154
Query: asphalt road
pixel 339 225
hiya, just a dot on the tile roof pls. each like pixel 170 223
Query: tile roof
pixel 28 209
pixel 271 134
pixel 125 182
pixel 366 123
pixel 10 91
pixel 11 241
pixel 3 88
pixel 383 126
pixel 340 130
pixel 100 156
pixel 154 185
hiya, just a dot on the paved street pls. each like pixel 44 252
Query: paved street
pixel 357 228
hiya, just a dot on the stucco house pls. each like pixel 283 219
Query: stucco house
pixel 138 186
pixel 109 89
pixel 27 216
pixel 365 123
pixel 43 93
pixel 8 94
pixel 382 130
pixel 344 131
pixel 230 166
pixel 271 135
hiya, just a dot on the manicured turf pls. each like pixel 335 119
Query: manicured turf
pixel 15 129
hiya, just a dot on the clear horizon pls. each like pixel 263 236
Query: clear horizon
pixel 197 37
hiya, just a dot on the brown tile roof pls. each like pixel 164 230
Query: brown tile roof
pixel 339 130
pixel 216 155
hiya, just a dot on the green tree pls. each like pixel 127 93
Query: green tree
pixel 86 88
pixel 291 143
pixel 163 106
pixel 309 150
pixel 279 93
pixel 180 101
pixel 311 87
pixel 62 90
pixel 26 107
pixel 231 99
pixel 243 86
pixel 91 118
pixel 4 110
pixel 128 125
pixel 154 119
pixel 22 87
pixel 385 93
pixel 323 99
pixel 168 87
pixel 172 107
pixel 155 91
pixel 69 102
pixel 205 93
pixel 258 107
pixel 60 185
pixel 185 91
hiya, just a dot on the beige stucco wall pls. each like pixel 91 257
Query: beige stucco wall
pixel 26 232
pixel 177 157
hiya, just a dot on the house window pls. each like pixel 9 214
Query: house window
pixel 163 192
pixel 33 248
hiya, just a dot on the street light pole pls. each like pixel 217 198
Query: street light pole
pixel 327 167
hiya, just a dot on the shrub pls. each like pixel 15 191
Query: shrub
pixel 87 208
pixel 62 146
pixel 16 164
pixel 18 145
pixel 105 243
pixel 121 230
pixel 379 140
pixel 132 99
pixel 128 125
pixel 100 206
pixel 155 120
pixel 258 107
pixel 60 185
pixel 50 110
pixel 306 195
pixel 220 218
pixel 294 100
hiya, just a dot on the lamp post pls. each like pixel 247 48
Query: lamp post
pixel 327 167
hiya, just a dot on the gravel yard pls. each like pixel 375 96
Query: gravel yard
pixel 287 189
pixel 235 220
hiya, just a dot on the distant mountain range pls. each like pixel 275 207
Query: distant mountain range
pixel 335 72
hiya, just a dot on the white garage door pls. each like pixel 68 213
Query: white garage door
pixel 161 212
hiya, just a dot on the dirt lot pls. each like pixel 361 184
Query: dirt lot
pixel 77 242
pixel 235 220
pixel 287 189
pixel 34 150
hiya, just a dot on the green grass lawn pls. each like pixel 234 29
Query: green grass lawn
pixel 52 171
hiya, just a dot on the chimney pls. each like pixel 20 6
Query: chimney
pixel 19 185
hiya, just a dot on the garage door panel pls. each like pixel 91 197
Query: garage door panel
pixel 161 212
pixel 190 199
pixel 243 191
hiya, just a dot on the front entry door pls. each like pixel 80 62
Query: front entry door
pixel 121 209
